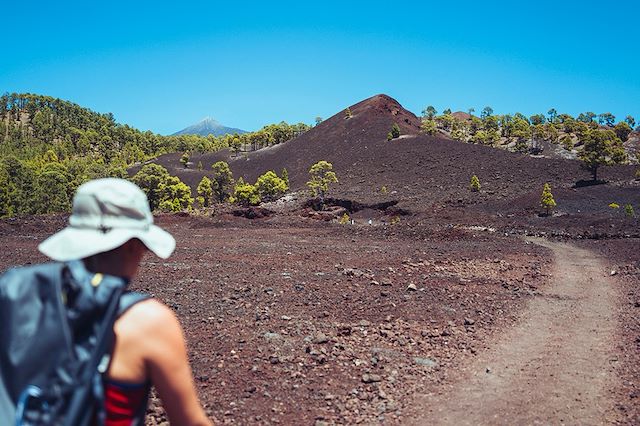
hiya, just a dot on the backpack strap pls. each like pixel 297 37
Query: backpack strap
pixel 128 299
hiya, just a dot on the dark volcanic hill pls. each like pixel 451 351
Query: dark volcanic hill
pixel 421 172
pixel 208 126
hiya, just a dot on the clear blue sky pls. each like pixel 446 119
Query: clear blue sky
pixel 162 67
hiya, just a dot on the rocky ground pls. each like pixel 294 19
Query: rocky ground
pixel 306 322
pixel 624 263
pixel 298 321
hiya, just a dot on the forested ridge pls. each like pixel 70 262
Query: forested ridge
pixel 49 146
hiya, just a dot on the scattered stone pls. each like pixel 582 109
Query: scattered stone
pixel 271 336
pixel 364 323
pixel 344 330
pixel 285 318
pixel 412 287
pixel 427 362
pixel 488 370
pixel 613 273
pixel 371 378
pixel 469 321
pixel 320 338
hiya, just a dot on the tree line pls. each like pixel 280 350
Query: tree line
pixel 167 193
pixel 48 147
pixel 597 137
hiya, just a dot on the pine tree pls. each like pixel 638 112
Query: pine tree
pixel 546 201
pixel 628 210
pixel 222 180
pixel 205 191
pixel 395 131
pixel 322 175
pixel 245 194
pixel 285 177
pixel 184 160
pixel 270 187
pixel 475 183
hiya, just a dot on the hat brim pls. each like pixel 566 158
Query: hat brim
pixel 78 243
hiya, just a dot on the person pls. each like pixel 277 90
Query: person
pixel 110 229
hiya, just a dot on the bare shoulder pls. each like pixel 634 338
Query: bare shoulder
pixel 150 316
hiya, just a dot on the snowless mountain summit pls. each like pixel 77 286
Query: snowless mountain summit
pixel 208 126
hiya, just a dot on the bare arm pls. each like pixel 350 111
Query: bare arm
pixel 168 366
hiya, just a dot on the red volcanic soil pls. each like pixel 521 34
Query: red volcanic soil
pixel 294 320
pixel 305 321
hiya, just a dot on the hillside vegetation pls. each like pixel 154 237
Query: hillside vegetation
pixel 48 147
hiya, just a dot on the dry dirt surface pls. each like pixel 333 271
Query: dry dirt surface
pixel 307 322
pixel 557 365
pixel 294 321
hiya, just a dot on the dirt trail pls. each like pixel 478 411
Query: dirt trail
pixel 555 366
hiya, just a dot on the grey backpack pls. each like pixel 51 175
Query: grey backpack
pixel 56 334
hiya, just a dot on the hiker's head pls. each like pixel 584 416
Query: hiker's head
pixel 110 219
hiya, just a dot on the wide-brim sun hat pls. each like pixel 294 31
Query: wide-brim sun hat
pixel 107 213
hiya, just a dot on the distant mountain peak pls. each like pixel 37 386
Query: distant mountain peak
pixel 208 126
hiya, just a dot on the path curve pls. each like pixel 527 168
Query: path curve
pixel 555 366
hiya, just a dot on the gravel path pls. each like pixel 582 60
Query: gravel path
pixel 556 366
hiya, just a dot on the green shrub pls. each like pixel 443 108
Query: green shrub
pixel 546 200
pixel 614 205
pixel 428 127
pixel 567 142
pixel 245 194
pixel 395 131
pixel 184 160
pixel 628 210
pixel 344 219
pixel 270 186
pixel 205 192
pixel 475 183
